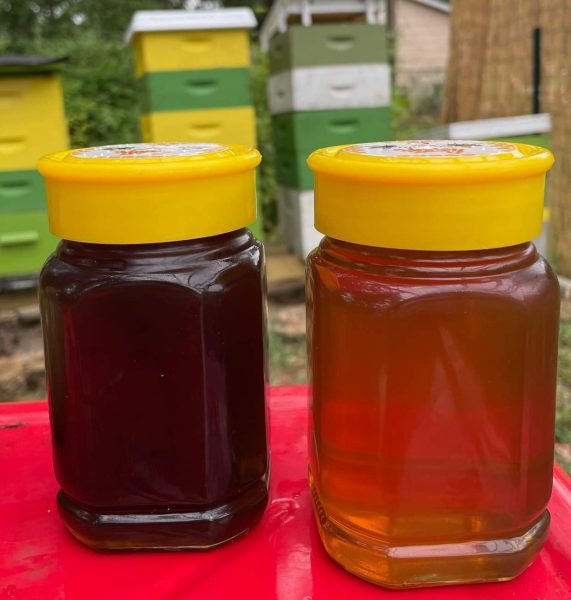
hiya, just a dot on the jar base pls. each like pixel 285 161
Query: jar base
pixel 166 530
pixel 400 567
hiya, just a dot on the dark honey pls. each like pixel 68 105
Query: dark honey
pixel 156 378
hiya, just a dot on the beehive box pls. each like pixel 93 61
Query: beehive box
pixel 32 124
pixel 193 70
pixel 194 62
pixel 328 44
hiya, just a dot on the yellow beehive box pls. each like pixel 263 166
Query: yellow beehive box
pixel 173 40
pixel 32 119
pixel 217 126
pixel 183 50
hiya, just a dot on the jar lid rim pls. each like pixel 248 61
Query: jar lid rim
pixel 432 161
pixel 148 162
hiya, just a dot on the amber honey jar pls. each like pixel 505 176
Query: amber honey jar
pixel 153 316
pixel 433 325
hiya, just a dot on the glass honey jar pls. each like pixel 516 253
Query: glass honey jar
pixel 433 325
pixel 153 315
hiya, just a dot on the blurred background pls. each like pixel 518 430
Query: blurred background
pixel 289 77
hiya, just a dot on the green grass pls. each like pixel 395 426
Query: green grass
pixel 287 359
pixel 534 140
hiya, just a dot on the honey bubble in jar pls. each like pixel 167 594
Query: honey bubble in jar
pixel 433 326
pixel 153 316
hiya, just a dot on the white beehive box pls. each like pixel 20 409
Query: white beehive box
pixel 329 87
pixel 296 216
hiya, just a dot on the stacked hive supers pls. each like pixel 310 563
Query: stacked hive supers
pixel 329 85
pixel 32 123
pixel 194 71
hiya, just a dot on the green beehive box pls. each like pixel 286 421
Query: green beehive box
pixel 292 171
pixel 328 44
pixel 21 191
pixel 25 242
pixel 196 90
pixel 304 132
pixel 296 135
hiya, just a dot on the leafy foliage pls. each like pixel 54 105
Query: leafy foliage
pixel 25 22
pixel 99 85
pixel 266 173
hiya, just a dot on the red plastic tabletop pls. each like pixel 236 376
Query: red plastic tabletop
pixel 281 558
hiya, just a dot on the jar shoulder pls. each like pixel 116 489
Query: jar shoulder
pixel 530 277
pixel 69 273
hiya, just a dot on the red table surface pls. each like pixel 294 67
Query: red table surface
pixel 280 558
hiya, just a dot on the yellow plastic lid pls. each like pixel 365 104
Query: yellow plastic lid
pixel 431 194
pixel 150 193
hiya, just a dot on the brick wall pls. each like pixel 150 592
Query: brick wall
pixel 422 36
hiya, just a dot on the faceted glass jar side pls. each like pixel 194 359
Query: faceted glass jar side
pixel 156 379
pixel 432 414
